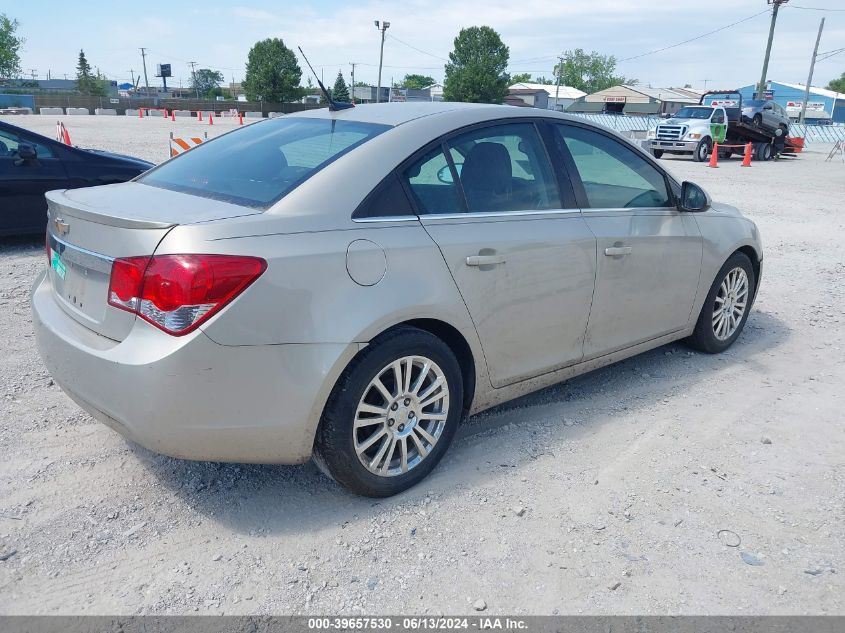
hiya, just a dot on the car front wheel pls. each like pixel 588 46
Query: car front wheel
pixel 392 414
pixel 702 150
pixel 726 308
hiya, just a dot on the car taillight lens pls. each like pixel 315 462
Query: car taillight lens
pixel 177 293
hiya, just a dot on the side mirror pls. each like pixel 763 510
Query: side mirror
pixel 693 198
pixel 27 152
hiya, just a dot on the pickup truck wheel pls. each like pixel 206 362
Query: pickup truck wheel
pixel 657 153
pixel 702 150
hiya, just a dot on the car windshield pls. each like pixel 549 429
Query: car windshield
pixel 693 113
pixel 259 164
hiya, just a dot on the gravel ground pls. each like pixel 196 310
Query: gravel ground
pixel 671 483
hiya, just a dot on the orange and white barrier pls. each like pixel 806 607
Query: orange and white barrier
pixel 62 135
pixel 181 145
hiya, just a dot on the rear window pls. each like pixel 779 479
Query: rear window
pixel 260 164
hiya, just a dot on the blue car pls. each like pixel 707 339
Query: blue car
pixel 31 165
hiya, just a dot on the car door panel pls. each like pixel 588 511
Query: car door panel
pixel 23 184
pixel 647 291
pixel 524 265
pixel 648 253
pixel 531 308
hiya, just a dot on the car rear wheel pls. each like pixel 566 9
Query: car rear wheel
pixel 392 414
pixel 757 120
pixel 726 308
pixel 657 153
pixel 702 150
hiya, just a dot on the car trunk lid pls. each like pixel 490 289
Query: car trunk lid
pixel 89 228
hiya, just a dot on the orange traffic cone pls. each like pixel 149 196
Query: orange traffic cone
pixel 746 160
pixel 211 118
pixel 714 157
pixel 199 115
pixel 140 113
pixel 173 115
pixel 240 118
pixel 65 135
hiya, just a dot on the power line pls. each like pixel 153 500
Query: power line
pixel 693 39
pixel 419 50
pixel 794 6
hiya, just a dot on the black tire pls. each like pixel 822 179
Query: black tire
pixel 702 150
pixel 334 448
pixel 657 153
pixel 764 152
pixel 725 154
pixel 703 337
pixel 757 121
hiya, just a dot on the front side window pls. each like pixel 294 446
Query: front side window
pixel 9 146
pixel 504 168
pixel 614 176
pixel 432 185
pixel 261 163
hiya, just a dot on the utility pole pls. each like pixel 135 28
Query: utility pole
pixel 761 87
pixel 557 81
pixel 383 26
pixel 810 78
pixel 194 78
pixel 132 74
pixel 353 64
pixel 34 73
pixel 146 81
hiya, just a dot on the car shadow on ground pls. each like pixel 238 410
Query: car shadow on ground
pixel 268 500
pixel 21 244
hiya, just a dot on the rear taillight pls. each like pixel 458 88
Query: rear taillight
pixel 177 293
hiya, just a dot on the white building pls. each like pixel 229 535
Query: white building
pixel 566 95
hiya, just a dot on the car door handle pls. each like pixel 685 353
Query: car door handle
pixel 616 251
pixel 485 260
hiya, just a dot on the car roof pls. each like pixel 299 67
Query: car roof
pixel 397 113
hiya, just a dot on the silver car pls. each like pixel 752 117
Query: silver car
pixel 350 285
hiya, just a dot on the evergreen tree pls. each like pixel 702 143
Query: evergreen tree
pixel 272 72
pixel 85 82
pixel 340 92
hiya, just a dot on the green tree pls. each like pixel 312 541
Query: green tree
pixel 476 69
pixel 272 72
pixel 340 91
pixel 10 61
pixel 589 72
pixel 85 81
pixel 416 82
pixel 837 85
pixel 521 78
pixel 205 80
pixel 544 80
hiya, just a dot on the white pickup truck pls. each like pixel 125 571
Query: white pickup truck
pixel 692 130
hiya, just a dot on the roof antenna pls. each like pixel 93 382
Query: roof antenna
pixel 333 105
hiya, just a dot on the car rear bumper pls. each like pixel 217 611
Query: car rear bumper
pixel 190 397
pixel 674 146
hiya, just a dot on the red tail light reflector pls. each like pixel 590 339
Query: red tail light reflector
pixel 177 293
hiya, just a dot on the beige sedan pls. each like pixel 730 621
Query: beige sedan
pixel 350 285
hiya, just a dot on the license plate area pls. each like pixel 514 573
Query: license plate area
pixel 80 278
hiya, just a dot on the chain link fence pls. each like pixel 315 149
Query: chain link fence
pixel 811 133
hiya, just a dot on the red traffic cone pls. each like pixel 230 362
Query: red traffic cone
pixel 240 118
pixel 173 115
pixel 714 157
pixel 140 113
pixel 65 136
pixel 211 118
pixel 199 115
pixel 746 160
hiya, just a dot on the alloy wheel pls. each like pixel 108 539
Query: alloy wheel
pixel 730 304
pixel 401 416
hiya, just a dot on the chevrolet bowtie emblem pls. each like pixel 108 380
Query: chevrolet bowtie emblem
pixel 62 227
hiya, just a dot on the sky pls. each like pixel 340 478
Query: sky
pixel 219 35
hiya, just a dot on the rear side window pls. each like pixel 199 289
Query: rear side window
pixel 614 176
pixel 258 165
pixel 432 185
pixel 386 200
pixel 9 146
